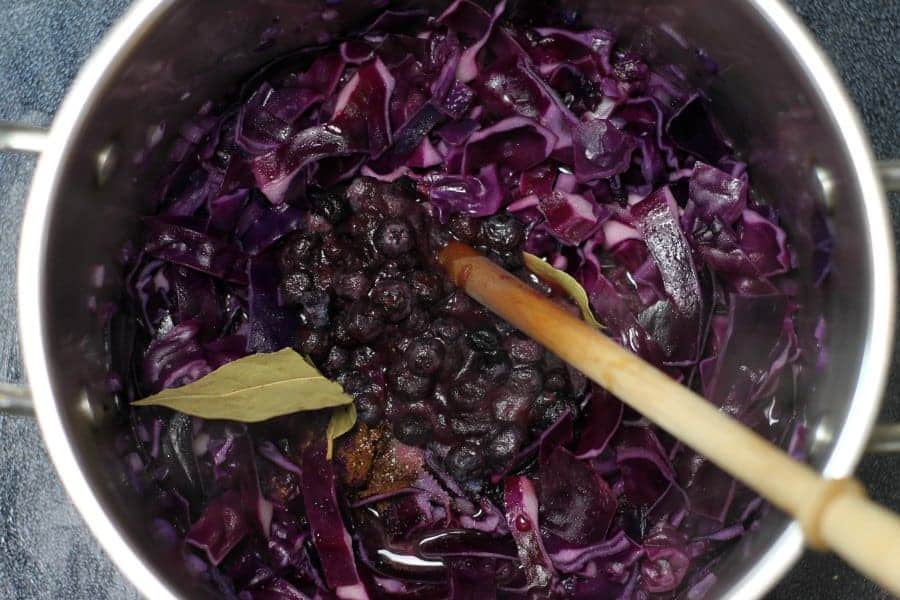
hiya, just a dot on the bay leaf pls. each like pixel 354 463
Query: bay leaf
pixel 255 388
pixel 569 284
pixel 343 418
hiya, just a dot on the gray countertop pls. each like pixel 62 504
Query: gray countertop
pixel 45 548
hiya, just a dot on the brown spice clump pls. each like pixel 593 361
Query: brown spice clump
pixel 371 460
pixel 395 467
pixel 355 454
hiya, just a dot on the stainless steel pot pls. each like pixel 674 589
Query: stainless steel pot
pixel 779 98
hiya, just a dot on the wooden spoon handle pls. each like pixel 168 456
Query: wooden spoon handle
pixel 866 535
pixel 826 509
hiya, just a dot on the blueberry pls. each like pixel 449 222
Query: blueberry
pixel 353 285
pixel 471 425
pixel 447 329
pixel 457 304
pixel 401 265
pixel 502 232
pixel 413 429
pixel 393 297
pixel 355 383
pixel 369 258
pixel 556 381
pixel 464 462
pixel 317 223
pixel 340 331
pixel 362 357
pixel 409 385
pixel 364 224
pixel 323 276
pixel 297 251
pixel 365 323
pixel 526 379
pixel 548 408
pixel 429 287
pixel 554 412
pixel 496 367
pixel 464 228
pixel 417 321
pixel 292 287
pixel 511 261
pixel 336 360
pixel 510 406
pixel 424 356
pixel 505 444
pixel 315 308
pixel 333 248
pixel 395 203
pixel 390 269
pixel 468 392
pixel 369 409
pixel 362 193
pixel 313 342
pixel 394 238
pixel 402 343
pixel 330 205
pixel 484 339
pixel 524 351
pixel 375 386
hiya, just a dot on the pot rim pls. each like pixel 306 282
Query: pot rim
pixel 141 18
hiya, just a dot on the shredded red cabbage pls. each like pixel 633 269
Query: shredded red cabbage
pixel 306 214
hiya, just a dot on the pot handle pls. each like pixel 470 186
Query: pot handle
pixel 886 436
pixel 890 174
pixel 16 399
pixel 21 138
pixel 885 439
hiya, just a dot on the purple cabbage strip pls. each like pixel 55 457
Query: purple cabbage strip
pixel 601 150
pixel 604 418
pixel 330 536
pixel 521 502
pixel 577 505
pixel 571 217
pixel 646 470
pixel 516 142
pixel 169 240
pixel 176 359
pixel 657 220
pixel 476 196
pixel 221 527
pixel 717 194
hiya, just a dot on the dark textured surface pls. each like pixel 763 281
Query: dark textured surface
pixel 45 549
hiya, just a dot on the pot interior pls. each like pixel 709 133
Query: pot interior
pixel 763 98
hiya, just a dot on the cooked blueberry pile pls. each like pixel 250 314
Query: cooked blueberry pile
pixel 380 317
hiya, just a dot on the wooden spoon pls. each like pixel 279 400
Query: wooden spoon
pixel 833 513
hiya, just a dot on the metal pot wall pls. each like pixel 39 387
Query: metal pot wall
pixel 787 112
